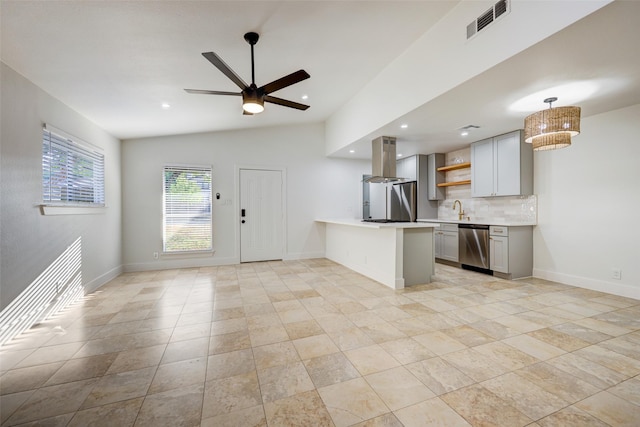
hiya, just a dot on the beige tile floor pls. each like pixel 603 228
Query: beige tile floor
pixel 311 343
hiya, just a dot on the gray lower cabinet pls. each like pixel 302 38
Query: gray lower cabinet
pixel 502 166
pixel 446 242
pixel 499 254
pixel 511 251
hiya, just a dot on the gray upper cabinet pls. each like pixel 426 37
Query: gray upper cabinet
pixel 482 168
pixel 502 166
pixel 407 168
pixel 435 161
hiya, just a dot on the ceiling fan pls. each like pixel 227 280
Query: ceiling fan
pixel 253 97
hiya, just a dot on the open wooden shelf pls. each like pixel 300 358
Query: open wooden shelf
pixel 454 167
pixel 449 184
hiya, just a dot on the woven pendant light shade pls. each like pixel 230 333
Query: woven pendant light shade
pixel 552 128
pixel 551 141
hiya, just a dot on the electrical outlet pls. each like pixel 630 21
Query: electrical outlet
pixel 155 255
pixel 616 273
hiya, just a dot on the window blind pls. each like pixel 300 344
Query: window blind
pixel 187 220
pixel 72 173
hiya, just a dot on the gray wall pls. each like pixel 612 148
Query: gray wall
pixel 316 187
pixel 29 241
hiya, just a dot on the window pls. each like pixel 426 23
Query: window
pixel 72 171
pixel 187 209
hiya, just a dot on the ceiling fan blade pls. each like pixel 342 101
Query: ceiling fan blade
pixel 285 103
pixel 285 81
pixel 211 92
pixel 226 70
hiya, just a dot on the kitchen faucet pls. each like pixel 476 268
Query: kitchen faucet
pixel 460 212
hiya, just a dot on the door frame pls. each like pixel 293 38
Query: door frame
pixel 283 171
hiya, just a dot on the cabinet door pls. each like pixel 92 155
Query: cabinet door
pixel 437 238
pixel 450 246
pixel 499 254
pixel 434 161
pixel 482 168
pixel 407 168
pixel 507 164
pixel 400 166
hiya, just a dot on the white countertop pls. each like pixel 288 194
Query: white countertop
pixel 501 223
pixel 359 223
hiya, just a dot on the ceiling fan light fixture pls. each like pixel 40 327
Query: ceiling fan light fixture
pixel 253 104
pixel 552 128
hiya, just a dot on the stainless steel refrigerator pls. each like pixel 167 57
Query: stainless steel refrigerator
pixel 402 201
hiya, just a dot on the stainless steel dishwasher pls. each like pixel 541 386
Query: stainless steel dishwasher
pixel 473 241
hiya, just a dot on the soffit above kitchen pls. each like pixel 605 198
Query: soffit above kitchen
pixel 578 64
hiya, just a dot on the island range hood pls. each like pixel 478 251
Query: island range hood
pixel 383 160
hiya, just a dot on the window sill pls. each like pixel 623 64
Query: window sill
pixel 71 210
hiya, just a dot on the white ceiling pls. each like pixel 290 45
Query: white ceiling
pixel 116 62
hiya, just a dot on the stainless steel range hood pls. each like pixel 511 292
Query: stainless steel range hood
pixel 383 160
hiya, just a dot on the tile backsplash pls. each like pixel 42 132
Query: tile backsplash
pixel 515 209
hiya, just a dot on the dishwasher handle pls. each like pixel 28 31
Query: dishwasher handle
pixel 474 226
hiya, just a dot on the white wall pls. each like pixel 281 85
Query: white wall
pixel 30 242
pixel 588 206
pixel 316 187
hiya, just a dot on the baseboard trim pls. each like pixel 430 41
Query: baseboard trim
pixel 179 263
pixel 302 255
pixel 102 279
pixel 619 289
pixel 206 262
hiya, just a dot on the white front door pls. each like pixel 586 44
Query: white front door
pixel 261 216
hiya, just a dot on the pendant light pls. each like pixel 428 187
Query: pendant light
pixel 552 128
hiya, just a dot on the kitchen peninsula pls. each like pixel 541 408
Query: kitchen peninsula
pixel 396 254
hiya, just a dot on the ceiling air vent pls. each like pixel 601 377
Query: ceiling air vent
pixel 487 18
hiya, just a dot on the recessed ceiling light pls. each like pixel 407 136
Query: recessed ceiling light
pixel 165 105
pixel 305 96
pixel 464 133
pixel 399 154
pixel 404 126
pixel 352 151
